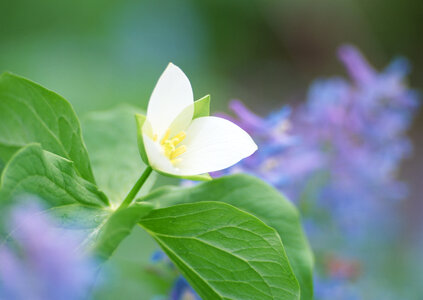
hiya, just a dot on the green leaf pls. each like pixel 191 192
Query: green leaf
pixel 33 170
pixel 223 252
pixel 75 202
pixel 202 107
pixel 30 113
pixel 111 140
pixel 256 197
pixel 5 153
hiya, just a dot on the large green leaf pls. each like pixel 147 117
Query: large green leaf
pixel 33 170
pixel 112 143
pixel 224 253
pixel 263 201
pixel 30 113
pixel 76 203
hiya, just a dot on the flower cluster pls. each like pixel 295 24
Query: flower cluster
pixel 345 142
pixel 39 262
pixel 337 156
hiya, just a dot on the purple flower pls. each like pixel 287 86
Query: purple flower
pixel 337 156
pixel 350 133
pixel 39 261
pixel 359 69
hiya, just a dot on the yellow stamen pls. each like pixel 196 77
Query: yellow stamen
pixel 179 138
pixel 169 146
pixel 176 161
pixel 165 137
pixel 178 151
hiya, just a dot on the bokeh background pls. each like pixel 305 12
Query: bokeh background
pixel 98 54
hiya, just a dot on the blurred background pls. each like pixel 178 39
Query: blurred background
pixel 98 54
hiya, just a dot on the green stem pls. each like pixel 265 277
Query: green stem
pixel 135 189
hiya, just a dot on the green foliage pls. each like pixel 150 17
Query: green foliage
pixel 256 197
pixel 30 113
pixel 35 171
pixel 76 203
pixel 225 253
pixel 233 238
pixel 47 144
pixel 111 138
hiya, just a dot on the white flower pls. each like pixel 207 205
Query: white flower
pixel 177 139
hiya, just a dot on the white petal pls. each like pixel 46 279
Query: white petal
pixel 172 95
pixel 156 158
pixel 213 144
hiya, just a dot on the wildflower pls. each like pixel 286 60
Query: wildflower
pixel 177 138
pixel 348 135
pixel 338 161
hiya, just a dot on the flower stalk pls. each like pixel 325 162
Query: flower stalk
pixel 135 189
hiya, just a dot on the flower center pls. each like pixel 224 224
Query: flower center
pixel 169 146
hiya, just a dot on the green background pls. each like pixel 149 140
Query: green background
pixel 100 53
